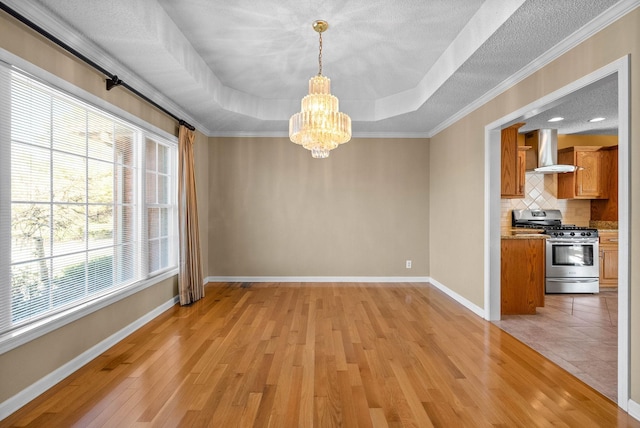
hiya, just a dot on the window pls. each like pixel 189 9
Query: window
pixel 159 206
pixel 91 206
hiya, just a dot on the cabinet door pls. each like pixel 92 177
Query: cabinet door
pixel 589 181
pixel 589 178
pixel 610 266
pixel 608 259
pixel 522 275
pixel 509 181
pixel 567 181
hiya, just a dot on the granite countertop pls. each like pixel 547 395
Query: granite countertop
pixel 604 225
pixel 522 233
pixel 525 236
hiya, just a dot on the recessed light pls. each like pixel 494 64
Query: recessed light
pixel 555 119
pixel 597 119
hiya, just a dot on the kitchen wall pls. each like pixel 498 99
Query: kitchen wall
pixel 540 193
pixel 570 140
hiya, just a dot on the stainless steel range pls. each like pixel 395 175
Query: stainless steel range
pixel 572 262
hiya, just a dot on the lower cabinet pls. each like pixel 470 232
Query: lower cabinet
pixel 522 275
pixel 608 258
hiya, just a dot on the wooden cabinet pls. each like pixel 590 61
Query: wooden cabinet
pixel 512 163
pixel 608 258
pixel 589 181
pixel 607 209
pixel 522 275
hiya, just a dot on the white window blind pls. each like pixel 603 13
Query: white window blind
pixel 88 202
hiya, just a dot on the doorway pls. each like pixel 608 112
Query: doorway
pixel 492 205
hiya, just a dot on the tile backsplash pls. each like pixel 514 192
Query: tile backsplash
pixel 540 193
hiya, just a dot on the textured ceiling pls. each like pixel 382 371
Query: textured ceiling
pixel 599 99
pixel 405 68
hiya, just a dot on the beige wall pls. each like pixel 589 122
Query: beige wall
pixel 457 170
pixel 456 192
pixel 201 156
pixel 26 364
pixel 275 211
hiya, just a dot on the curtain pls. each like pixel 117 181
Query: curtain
pixel 190 279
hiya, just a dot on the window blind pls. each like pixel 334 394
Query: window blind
pixel 87 202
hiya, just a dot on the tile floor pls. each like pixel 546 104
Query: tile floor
pixel 579 332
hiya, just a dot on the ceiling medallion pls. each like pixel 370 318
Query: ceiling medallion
pixel 320 126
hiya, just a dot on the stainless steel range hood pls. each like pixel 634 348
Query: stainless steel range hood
pixel 548 153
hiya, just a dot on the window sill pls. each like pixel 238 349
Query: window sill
pixel 20 336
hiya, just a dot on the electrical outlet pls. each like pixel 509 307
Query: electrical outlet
pixel 408 264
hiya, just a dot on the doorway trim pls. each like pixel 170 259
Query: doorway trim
pixel 492 205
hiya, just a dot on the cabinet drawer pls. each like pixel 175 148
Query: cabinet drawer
pixel 608 237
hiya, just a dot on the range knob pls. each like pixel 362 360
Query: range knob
pixel 588 233
pixel 572 234
pixel 583 234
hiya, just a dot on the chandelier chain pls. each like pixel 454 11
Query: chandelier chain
pixel 320 57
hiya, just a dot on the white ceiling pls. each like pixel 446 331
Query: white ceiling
pixel 404 68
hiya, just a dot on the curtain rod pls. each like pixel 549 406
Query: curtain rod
pixel 112 80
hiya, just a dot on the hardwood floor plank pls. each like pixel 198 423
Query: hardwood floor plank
pixel 418 415
pixel 378 418
pixel 307 389
pixel 320 355
pixel 263 414
pixel 250 411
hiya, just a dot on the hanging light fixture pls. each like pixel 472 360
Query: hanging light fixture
pixel 319 126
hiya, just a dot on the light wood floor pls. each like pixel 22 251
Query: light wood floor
pixel 302 355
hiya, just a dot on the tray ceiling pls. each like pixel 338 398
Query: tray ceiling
pixel 402 69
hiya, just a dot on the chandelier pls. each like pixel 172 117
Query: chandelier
pixel 319 126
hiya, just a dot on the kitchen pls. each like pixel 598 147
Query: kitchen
pixel 568 285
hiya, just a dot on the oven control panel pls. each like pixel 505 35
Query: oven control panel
pixel 577 234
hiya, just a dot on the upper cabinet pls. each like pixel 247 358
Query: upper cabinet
pixel 607 209
pixel 590 180
pixel 512 163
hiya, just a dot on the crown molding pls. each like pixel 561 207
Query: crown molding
pixel 284 134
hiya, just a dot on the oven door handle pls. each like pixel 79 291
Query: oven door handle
pixel 572 241
pixel 573 280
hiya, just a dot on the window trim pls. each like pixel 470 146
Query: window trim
pixel 28 332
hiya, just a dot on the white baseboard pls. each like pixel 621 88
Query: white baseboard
pixel 458 298
pixel 389 279
pixel 32 391
pixel 403 279
pixel 634 409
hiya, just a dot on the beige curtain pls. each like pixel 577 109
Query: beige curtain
pixel 190 277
